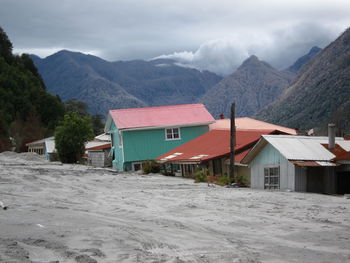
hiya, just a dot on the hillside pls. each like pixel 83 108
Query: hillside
pixel 27 111
pixel 254 85
pixel 321 92
pixel 299 63
pixel 109 85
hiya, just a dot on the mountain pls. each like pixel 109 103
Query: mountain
pixel 304 59
pixel 321 92
pixel 254 85
pixel 107 85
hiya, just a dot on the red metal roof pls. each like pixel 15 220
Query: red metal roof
pixel 175 115
pixel 213 144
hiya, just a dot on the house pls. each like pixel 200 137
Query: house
pixel 212 151
pixel 98 151
pixel 141 134
pixel 44 147
pixel 300 163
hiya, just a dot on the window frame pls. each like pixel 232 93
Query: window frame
pixel 272 178
pixel 120 139
pixel 172 133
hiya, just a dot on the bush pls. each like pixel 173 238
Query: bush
pixel 224 180
pixel 150 167
pixel 241 179
pixel 200 176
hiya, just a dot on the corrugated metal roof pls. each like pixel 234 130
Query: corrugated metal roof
pixel 344 144
pixel 301 147
pixel 340 153
pixel 250 124
pixel 39 141
pixel 163 116
pixel 92 144
pixel 103 137
pixel 212 144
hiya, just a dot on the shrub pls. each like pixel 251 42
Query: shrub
pixel 241 179
pixel 225 180
pixel 200 176
pixel 150 167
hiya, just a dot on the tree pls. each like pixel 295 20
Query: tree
pixel 81 108
pixel 77 106
pixel 70 137
pixel 27 111
pixel 97 124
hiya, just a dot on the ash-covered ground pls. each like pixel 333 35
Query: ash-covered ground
pixel 73 213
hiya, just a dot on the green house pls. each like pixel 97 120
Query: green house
pixel 141 134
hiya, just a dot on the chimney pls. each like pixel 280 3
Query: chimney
pixel 221 116
pixel 331 136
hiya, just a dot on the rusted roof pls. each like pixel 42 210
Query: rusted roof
pixel 213 144
pixel 313 163
pixel 340 153
pixel 99 147
pixel 163 116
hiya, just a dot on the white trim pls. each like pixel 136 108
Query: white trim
pixel 172 133
pixel 167 126
pixel 120 139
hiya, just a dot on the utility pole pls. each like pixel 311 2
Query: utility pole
pixel 232 142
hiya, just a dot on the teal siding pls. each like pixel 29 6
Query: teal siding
pixel 268 155
pixel 140 145
pixel 117 162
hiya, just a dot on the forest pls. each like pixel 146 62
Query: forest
pixel 27 111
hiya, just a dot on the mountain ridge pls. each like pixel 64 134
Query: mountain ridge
pixel 122 84
pixel 252 86
pixel 319 94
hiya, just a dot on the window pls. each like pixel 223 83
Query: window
pixel 217 168
pixel 172 134
pixel 120 139
pixel 136 166
pixel 272 178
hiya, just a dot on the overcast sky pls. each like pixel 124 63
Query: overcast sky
pixel 208 34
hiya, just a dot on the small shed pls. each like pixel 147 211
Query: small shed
pixel 100 155
pixel 298 163
pixel 44 147
pixel 98 151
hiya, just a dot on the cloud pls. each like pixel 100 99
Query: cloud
pixel 204 34
pixel 280 48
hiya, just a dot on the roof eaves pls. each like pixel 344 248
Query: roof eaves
pixel 166 126
pixel 255 150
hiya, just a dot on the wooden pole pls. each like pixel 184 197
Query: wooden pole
pixel 232 142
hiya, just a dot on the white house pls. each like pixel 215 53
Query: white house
pixel 300 163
